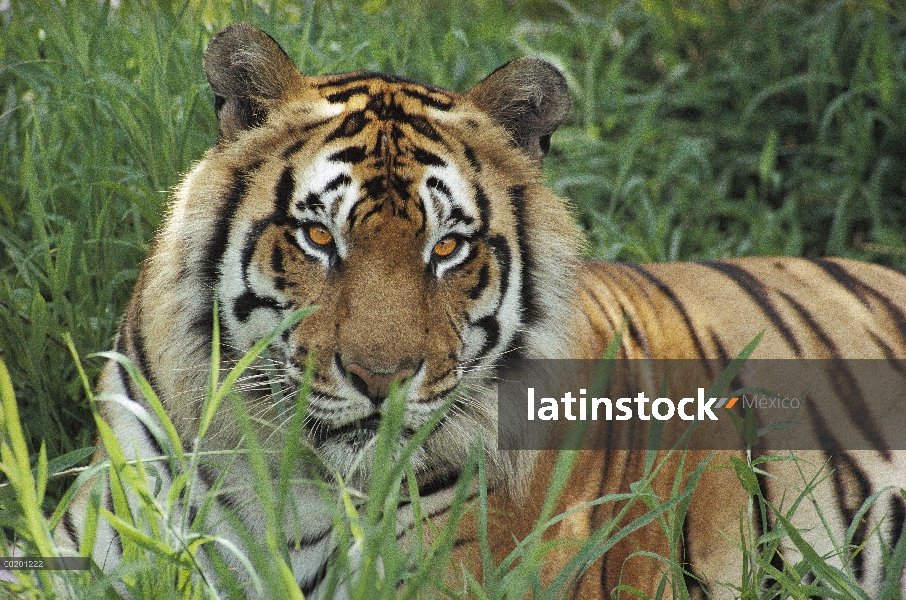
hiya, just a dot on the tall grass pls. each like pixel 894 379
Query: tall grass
pixel 708 130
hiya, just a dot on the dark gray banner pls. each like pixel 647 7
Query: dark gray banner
pixel 827 405
pixel 44 563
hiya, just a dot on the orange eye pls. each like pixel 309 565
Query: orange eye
pixel 446 246
pixel 319 235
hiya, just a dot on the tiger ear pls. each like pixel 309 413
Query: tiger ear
pixel 247 70
pixel 529 97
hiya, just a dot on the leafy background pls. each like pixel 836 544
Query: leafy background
pixel 699 130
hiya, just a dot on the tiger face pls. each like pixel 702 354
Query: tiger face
pixel 405 213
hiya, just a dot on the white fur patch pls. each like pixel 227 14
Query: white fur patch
pixel 336 203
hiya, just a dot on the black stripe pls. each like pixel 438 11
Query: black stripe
pixel 432 101
pixel 722 360
pixel 344 95
pixel 217 245
pixel 438 483
pixel 637 334
pixel 294 147
pixel 307 588
pixel 386 109
pixel 249 301
pixel 504 257
pixel 277 265
pixel 759 294
pixel 355 218
pixel 602 311
pixel 690 577
pixel 283 194
pixel 665 290
pixel 460 542
pixel 292 241
pixel 897 363
pixel 139 351
pixel 429 159
pixel 352 155
pixel 531 309
pixel 351 125
pixel 422 213
pixel 812 324
pixel 862 291
pixel 312 201
pixel 854 286
pixel 844 471
pixel 122 341
pixel 341 79
pixel 722 353
pixel 375 187
pixel 108 504
pixel 155 444
pixel 484 210
pixel 228 501
pixel 491 327
pixel 337 182
pixel 857 408
pixel 897 516
pixel 808 580
pixel 346 78
pixel 108 499
pixel 845 383
pixel 421 125
pixel 70 528
pixel 449 506
pixel 308 540
pixel 207 475
pixel 470 156
pixel 436 184
pixel 458 215
pixel 400 185
pixel 204 321
pixel 301 131
pixel 484 276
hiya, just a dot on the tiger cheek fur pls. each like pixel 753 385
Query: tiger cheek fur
pixel 415 219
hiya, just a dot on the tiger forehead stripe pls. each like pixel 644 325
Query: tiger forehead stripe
pixel 431 96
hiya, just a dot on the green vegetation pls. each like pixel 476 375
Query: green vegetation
pixel 717 129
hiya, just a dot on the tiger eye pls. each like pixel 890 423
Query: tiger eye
pixel 445 247
pixel 319 235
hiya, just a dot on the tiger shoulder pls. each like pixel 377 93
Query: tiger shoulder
pixel 416 219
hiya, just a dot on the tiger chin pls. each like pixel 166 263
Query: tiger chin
pixel 416 220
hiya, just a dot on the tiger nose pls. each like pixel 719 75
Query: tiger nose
pixel 375 384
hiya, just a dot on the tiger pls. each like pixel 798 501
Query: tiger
pixel 417 221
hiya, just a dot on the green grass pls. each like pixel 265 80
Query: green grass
pixel 719 129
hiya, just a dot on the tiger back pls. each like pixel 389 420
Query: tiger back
pixel 416 220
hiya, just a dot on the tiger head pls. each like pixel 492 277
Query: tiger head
pixel 412 217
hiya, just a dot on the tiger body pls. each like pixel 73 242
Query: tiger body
pixel 416 220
